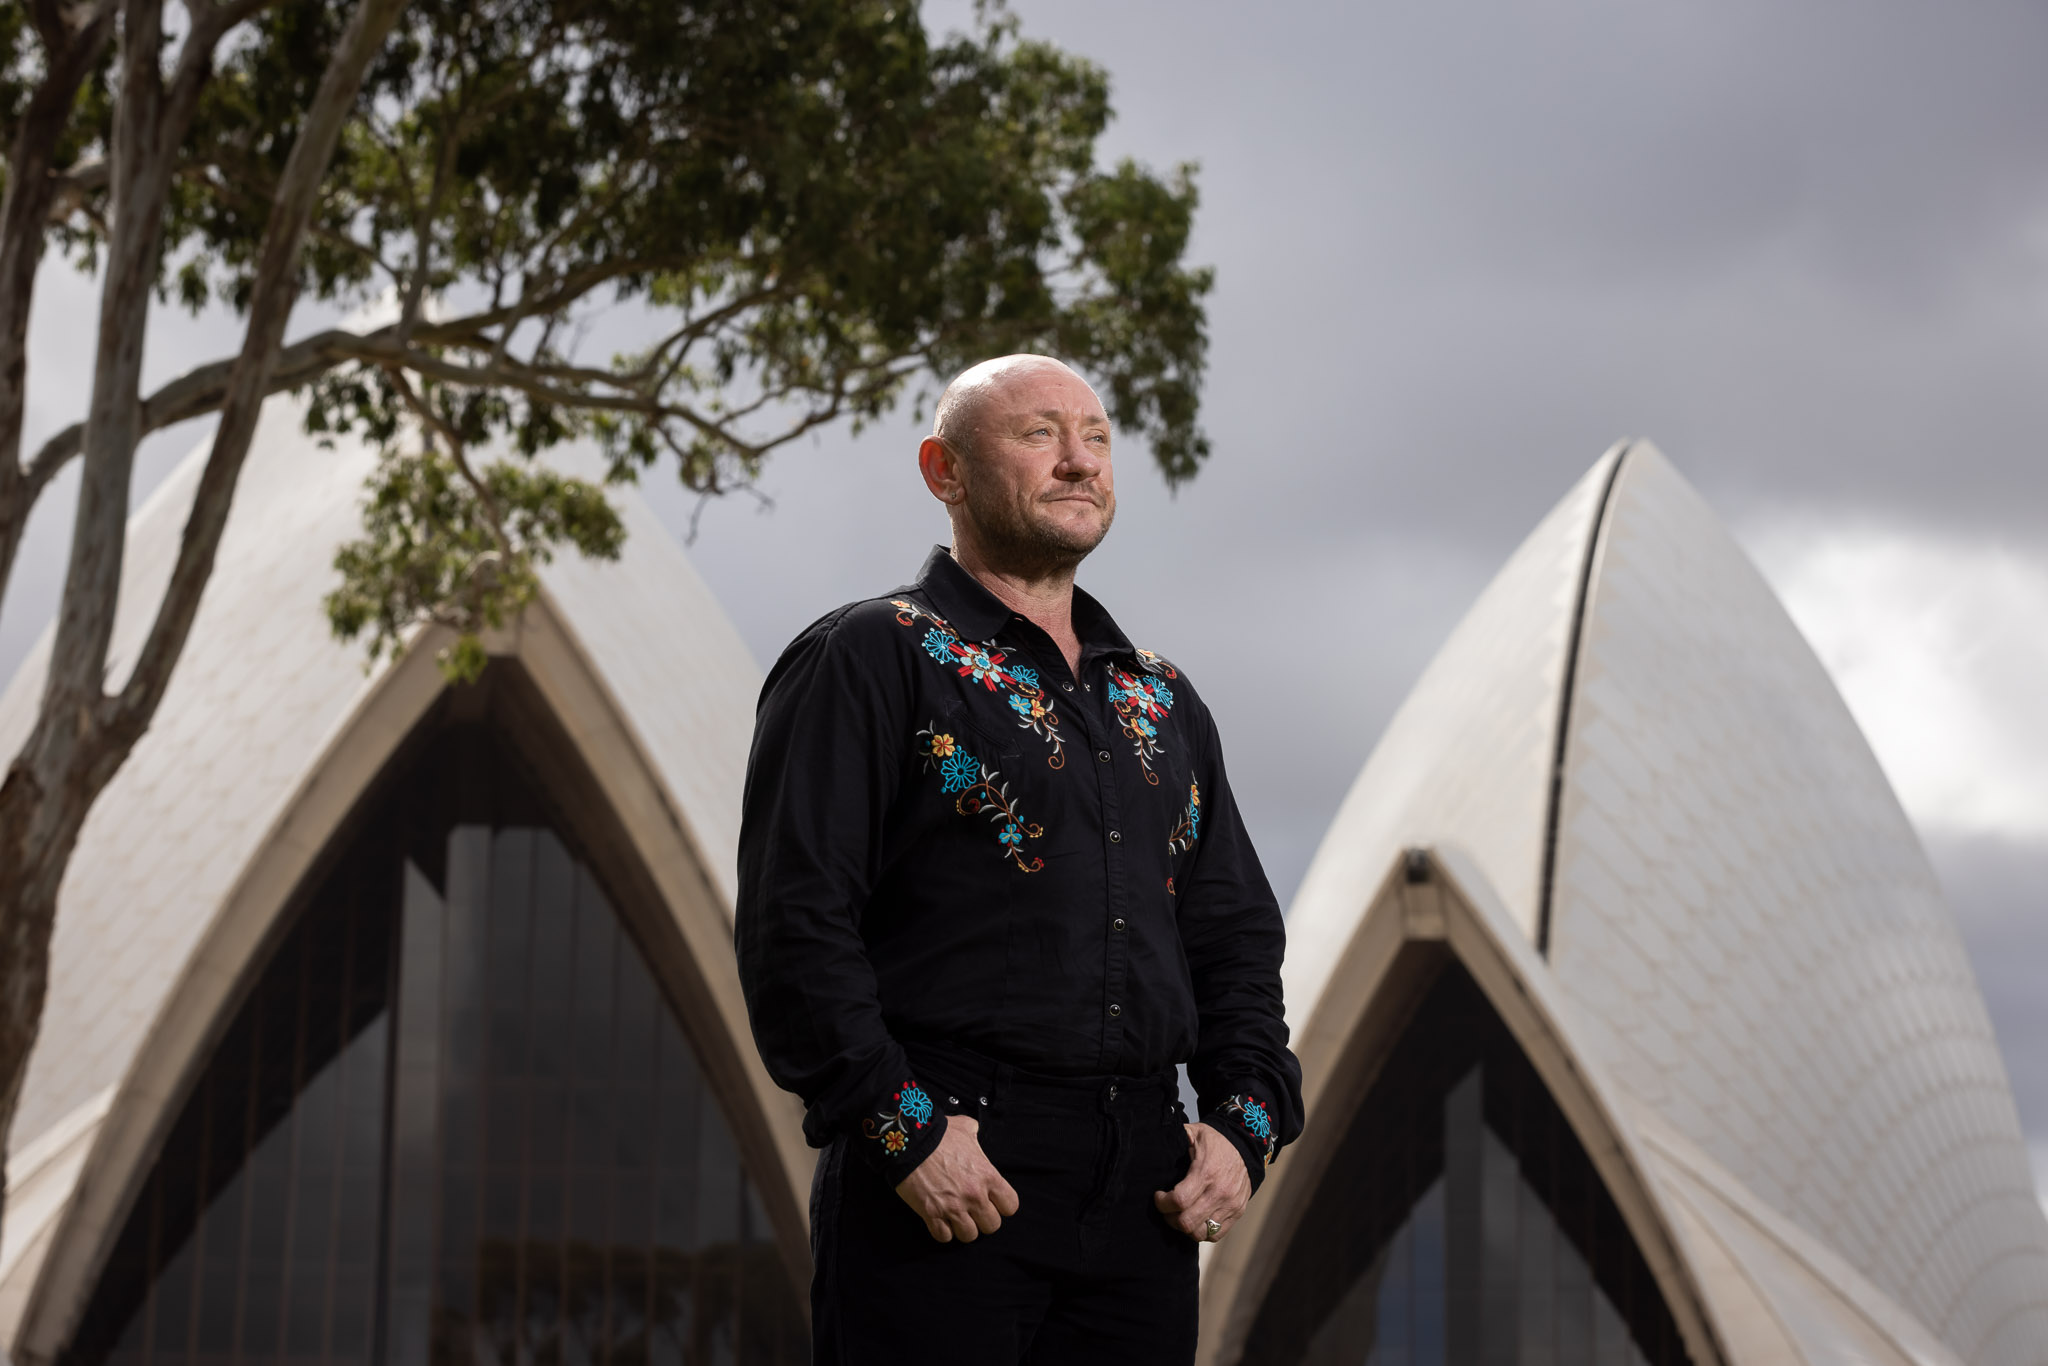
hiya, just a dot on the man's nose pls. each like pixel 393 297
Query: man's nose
pixel 1078 458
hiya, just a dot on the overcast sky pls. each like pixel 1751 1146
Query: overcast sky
pixel 1460 249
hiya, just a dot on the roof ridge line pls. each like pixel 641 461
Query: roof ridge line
pixel 1595 531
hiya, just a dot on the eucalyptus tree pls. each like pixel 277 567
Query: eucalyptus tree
pixel 813 206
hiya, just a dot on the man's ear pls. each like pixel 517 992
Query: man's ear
pixel 941 470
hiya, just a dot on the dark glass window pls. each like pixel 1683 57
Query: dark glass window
pixel 455 1121
pixel 1461 1223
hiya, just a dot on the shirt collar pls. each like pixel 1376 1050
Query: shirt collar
pixel 978 614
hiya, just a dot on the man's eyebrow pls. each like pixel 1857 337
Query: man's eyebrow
pixel 1059 414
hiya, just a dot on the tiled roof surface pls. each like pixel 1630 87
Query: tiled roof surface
pixel 1743 925
pixel 259 693
pixel 1757 944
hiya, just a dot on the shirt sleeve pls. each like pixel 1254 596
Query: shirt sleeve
pixel 1247 1080
pixel 824 769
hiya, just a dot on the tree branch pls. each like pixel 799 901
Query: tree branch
pixel 237 185
pixel 66 734
pixel 270 307
pixel 423 234
pixel 72 191
pixel 24 215
pixel 50 23
pixel 204 389
pixel 458 451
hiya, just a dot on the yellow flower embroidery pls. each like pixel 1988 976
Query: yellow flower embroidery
pixel 942 746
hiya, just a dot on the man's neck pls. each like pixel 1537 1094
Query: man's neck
pixel 1046 600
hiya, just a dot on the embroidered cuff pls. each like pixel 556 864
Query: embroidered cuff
pixel 902 1131
pixel 1245 1120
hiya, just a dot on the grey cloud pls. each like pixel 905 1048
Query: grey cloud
pixel 1802 247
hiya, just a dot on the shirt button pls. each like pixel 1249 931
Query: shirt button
pixel 1115 1010
pixel 1117 924
pixel 1066 687
pixel 1116 837
pixel 1103 755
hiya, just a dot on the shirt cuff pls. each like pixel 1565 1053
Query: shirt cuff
pixel 900 1131
pixel 1247 1121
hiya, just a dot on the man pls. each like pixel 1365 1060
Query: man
pixel 993 887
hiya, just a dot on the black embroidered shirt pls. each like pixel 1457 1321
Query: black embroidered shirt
pixel 949 837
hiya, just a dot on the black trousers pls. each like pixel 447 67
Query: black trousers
pixel 1087 1270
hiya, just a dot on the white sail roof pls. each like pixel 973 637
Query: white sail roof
pixel 1750 947
pixel 262 707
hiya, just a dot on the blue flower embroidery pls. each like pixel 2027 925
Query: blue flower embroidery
pixel 985 663
pixel 1252 1114
pixel 979 792
pixel 915 1105
pixel 958 772
pixel 1142 701
pixel 891 1128
pixel 1256 1119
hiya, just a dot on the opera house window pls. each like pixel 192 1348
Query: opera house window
pixel 457 1119
pixel 1460 1222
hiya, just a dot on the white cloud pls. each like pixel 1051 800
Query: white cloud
pixel 1940 647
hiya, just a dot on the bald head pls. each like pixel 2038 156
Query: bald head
pixel 964 406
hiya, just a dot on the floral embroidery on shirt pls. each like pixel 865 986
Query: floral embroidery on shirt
pixel 1157 664
pixel 1189 827
pixel 893 1128
pixel 1252 1114
pixel 1142 702
pixel 987 665
pixel 978 793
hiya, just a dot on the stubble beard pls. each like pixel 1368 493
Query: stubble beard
pixel 1033 547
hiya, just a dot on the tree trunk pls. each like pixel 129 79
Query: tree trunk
pixel 82 735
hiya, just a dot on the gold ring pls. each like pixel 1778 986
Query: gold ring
pixel 1215 1231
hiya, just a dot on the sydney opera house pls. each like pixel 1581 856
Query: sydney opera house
pixel 397 1023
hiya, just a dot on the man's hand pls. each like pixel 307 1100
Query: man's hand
pixel 1216 1187
pixel 957 1191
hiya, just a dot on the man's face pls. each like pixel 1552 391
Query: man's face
pixel 1039 490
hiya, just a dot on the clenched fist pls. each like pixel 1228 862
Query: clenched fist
pixel 957 1191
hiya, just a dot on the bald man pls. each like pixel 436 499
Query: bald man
pixel 993 889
